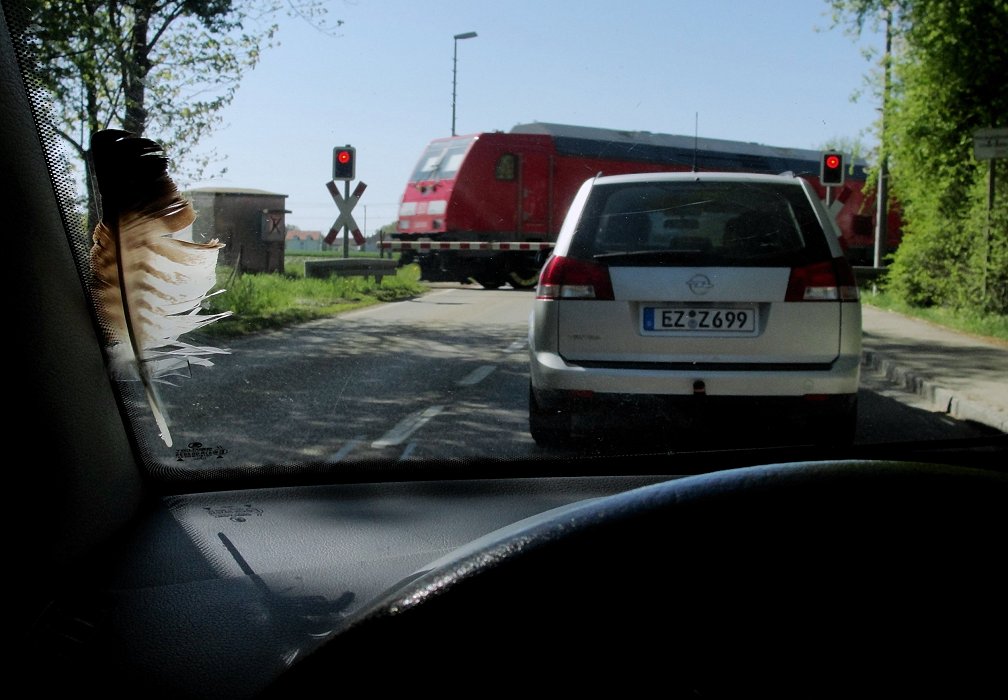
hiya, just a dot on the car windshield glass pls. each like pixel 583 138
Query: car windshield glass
pixel 551 347
pixel 280 285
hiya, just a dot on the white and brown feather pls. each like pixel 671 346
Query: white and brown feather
pixel 150 277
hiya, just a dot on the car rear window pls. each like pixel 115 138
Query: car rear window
pixel 727 223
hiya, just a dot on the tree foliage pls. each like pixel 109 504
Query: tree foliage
pixel 160 68
pixel 949 62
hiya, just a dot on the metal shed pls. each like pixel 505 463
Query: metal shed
pixel 251 223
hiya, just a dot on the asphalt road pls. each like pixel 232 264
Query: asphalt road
pixel 441 376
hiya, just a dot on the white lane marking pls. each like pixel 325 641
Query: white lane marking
pixel 477 375
pixel 345 450
pixel 406 427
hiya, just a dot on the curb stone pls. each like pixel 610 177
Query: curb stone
pixel 941 399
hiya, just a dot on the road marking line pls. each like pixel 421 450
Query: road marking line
pixel 477 375
pixel 349 447
pixel 406 427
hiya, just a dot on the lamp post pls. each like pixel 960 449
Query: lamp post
pixel 466 35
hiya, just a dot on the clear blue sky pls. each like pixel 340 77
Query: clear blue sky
pixel 750 70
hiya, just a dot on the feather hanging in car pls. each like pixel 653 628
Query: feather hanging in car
pixel 150 277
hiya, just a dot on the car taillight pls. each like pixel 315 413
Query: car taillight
pixel 831 280
pixel 568 278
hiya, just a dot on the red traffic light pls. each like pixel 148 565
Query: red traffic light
pixel 344 163
pixel 832 171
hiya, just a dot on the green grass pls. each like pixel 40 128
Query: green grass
pixel 263 301
pixel 989 326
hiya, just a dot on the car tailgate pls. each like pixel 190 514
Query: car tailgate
pixel 800 332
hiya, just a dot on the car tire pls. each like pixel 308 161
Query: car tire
pixel 524 277
pixel 548 428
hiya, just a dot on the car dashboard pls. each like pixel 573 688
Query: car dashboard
pixel 277 591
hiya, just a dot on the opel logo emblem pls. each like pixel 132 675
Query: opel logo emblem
pixel 699 284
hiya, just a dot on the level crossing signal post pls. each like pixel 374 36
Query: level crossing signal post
pixel 831 172
pixel 345 169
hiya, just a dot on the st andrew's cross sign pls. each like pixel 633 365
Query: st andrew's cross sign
pixel 345 218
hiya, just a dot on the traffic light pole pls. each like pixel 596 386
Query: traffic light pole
pixel 882 188
pixel 345 169
pixel 346 225
pixel 881 213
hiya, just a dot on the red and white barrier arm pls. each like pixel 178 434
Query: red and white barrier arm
pixel 463 245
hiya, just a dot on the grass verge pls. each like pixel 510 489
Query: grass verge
pixel 259 302
pixel 986 326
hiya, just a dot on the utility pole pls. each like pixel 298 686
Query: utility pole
pixel 882 202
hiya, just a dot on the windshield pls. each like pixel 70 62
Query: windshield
pixel 441 160
pixel 280 315
pixel 431 337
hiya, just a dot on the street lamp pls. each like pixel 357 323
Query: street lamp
pixel 466 35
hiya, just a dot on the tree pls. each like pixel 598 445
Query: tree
pixel 160 68
pixel 948 65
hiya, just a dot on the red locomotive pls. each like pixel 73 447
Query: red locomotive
pixel 487 207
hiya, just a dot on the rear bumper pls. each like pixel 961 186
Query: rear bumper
pixel 552 376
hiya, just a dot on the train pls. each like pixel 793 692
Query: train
pixel 487 207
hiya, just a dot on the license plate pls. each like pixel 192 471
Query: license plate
pixel 708 319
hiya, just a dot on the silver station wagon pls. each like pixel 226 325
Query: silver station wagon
pixel 695 306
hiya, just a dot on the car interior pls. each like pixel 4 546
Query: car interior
pixel 807 572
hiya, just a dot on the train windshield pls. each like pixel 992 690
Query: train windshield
pixel 442 159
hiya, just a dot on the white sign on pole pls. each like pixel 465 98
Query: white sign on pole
pixel 990 143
